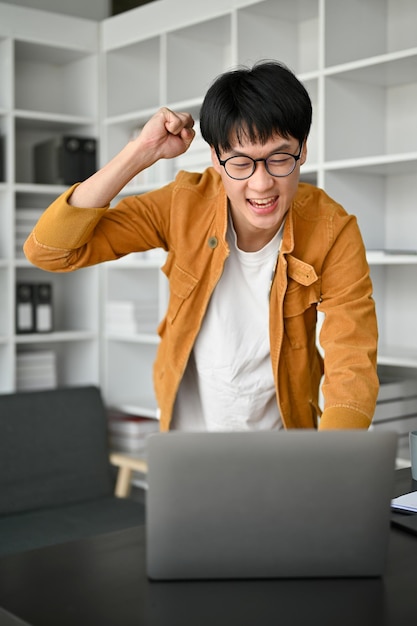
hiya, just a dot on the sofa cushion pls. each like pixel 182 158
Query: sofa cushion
pixel 53 449
pixel 26 531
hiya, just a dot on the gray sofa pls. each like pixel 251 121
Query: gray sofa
pixel 56 481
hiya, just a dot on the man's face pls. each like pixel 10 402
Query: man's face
pixel 259 203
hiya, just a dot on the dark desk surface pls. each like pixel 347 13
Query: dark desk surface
pixel 102 581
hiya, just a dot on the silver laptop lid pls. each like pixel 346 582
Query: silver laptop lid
pixel 269 504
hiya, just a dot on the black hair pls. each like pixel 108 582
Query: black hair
pixel 254 104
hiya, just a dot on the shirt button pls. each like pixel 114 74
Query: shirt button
pixel 212 242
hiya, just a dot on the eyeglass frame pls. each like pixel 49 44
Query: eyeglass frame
pixel 296 158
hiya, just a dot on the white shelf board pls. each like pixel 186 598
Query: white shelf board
pixel 382 257
pixel 146 338
pixel 56 337
pixel 127 263
pixel 37 188
pixel 380 59
pixel 137 190
pixel 131 118
pixel 401 163
pixel 145 408
pixel 134 118
pixel 50 120
pixel 397 356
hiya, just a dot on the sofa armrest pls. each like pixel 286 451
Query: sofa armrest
pixel 126 465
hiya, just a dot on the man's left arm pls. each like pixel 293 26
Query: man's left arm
pixel 349 333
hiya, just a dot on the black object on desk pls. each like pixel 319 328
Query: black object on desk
pixel 102 580
pixel 405 522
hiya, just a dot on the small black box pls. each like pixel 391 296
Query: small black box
pixel 65 160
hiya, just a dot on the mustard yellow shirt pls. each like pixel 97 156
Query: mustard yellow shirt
pixel 321 267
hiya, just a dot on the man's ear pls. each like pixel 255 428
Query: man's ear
pixel 303 157
pixel 215 160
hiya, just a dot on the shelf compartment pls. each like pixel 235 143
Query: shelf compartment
pixel 6 225
pixel 370 110
pixel 31 130
pixel 141 63
pixel 129 377
pixel 374 195
pixel 357 29
pixel 6 369
pixel 285 31
pixel 55 80
pixel 75 297
pixel 396 303
pixel 5 74
pixel 133 300
pixel 117 135
pixel 195 56
pixel 6 305
pixel 77 361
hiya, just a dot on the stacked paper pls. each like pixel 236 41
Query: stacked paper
pixel 128 433
pixel 25 222
pixel 407 502
pixel 131 317
pixel 36 370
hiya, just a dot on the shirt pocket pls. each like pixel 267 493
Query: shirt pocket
pixel 300 303
pixel 299 298
pixel 181 286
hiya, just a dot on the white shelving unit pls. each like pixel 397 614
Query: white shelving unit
pixel 362 147
pixel 358 61
pixel 48 87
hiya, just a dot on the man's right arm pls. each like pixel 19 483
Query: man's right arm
pixel 59 240
pixel 165 136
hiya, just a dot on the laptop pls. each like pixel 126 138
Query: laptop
pixel 289 504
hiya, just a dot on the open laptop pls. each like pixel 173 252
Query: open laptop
pixel 269 504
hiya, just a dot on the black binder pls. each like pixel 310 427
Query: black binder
pixel 65 160
pixel 43 307
pixel 34 308
pixel 25 308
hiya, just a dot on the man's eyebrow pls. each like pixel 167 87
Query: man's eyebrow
pixel 284 147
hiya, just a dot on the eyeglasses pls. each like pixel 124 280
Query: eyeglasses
pixel 278 164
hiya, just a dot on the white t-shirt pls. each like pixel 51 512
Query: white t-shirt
pixel 228 383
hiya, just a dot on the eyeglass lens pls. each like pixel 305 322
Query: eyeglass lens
pixel 279 164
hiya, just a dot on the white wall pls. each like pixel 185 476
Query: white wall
pixel 89 9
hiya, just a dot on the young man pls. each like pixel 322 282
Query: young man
pixel 252 256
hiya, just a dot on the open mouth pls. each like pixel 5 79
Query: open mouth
pixel 263 205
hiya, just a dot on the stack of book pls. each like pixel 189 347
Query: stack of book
pixel 128 433
pixel 25 222
pixel 131 317
pixel 36 370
